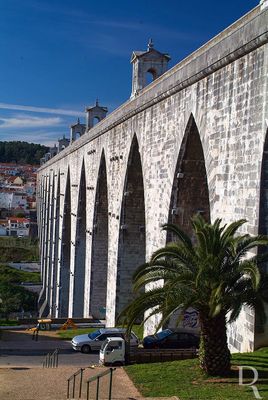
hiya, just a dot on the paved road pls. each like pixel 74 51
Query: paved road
pixel 23 378
pixel 29 267
pixel 17 349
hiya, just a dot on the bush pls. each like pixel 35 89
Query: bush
pixel 13 297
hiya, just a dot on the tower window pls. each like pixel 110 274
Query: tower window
pixel 96 120
pixel 150 75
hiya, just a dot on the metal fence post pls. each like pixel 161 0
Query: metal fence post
pixel 55 354
pixel 97 390
pixel 87 390
pixel 81 381
pixel 51 360
pixel 111 383
pixel 74 386
pixel 68 388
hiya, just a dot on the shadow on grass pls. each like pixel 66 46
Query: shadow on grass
pixel 249 358
pixel 262 390
pixel 248 376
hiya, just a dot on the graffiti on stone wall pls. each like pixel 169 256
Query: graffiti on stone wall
pixel 190 319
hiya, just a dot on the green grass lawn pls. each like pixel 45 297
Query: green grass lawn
pixel 185 379
pixel 18 249
pixel 5 322
pixel 13 275
pixel 70 333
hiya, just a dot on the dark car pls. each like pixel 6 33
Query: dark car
pixel 171 339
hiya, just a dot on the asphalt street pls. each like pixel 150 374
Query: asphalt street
pixel 17 349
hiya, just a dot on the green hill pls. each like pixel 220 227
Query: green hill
pixel 21 152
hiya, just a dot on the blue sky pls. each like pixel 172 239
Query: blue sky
pixel 58 56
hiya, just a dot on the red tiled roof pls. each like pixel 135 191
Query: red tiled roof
pixel 11 178
pixel 16 219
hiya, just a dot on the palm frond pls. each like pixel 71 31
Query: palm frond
pixel 249 268
pixel 231 230
pixel 181 235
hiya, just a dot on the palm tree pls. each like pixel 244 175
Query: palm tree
pixel 209 272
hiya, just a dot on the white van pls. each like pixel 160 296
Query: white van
pixel 112 351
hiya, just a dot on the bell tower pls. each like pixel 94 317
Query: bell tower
pixel 95 114
pixel 150 62
pixel 77 130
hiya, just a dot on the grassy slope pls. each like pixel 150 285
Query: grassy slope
pixel 18 249
pixel 13 275
pixel 10 280
pixel 185 379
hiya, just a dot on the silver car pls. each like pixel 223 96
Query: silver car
pixel 93 341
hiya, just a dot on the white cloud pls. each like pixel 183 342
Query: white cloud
pixel 46 137
pixel 41 110
pixel 25 121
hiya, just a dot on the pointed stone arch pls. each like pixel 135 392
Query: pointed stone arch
pixel 190 193
pixel 261 327
pixel 50 240
pixel 131 246
pixel 42 222
pixel 80 248
pixel 263 207
pixel 43 296
pixel 40 204
pixel 64 280
pixel 99 260
pixel 46 210
pixel 54 277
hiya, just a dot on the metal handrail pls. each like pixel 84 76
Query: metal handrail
pixel 73 377
pixel 97 378
pixel 51 360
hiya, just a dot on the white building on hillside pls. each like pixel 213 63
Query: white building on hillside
pixel 18 227
pixel 10 200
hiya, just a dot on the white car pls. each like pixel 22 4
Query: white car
pixel 93 341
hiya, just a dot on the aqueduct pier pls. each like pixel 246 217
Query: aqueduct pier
pixel 194 140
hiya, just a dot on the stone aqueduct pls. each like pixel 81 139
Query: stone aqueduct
pixel 194 140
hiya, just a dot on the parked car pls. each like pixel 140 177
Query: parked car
pixel 171 339
pixel 93 341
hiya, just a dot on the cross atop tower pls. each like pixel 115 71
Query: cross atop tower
pixel 150 44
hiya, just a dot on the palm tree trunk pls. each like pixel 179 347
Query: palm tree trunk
pixel 214 355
